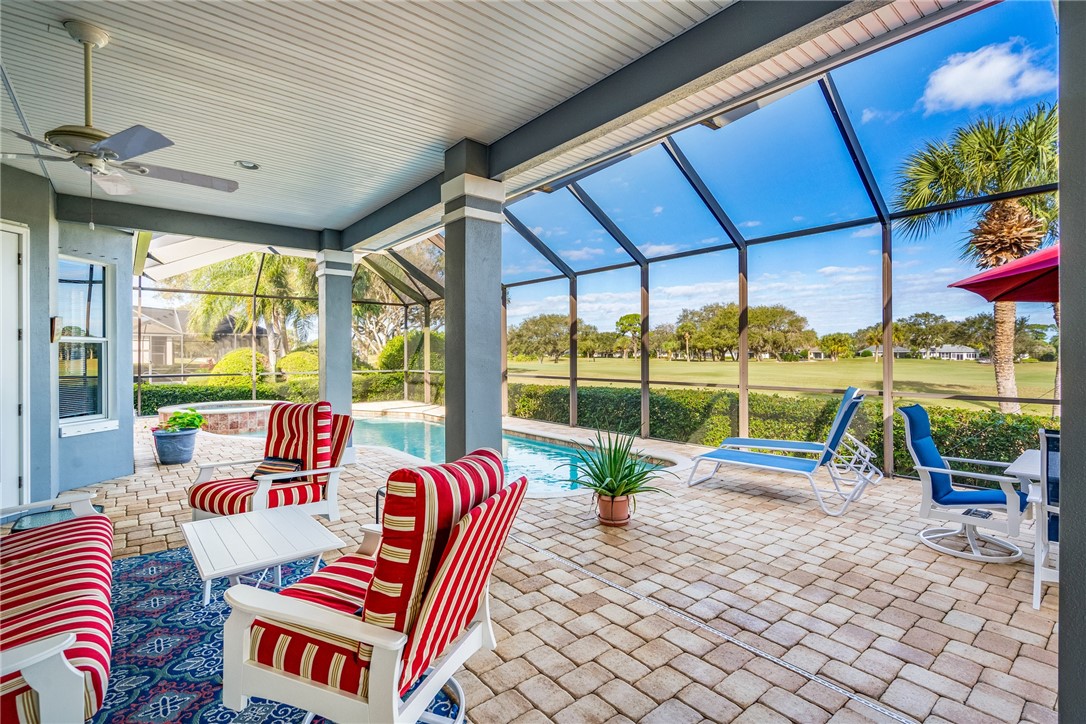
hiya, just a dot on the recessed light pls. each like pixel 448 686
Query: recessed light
pixel 247 165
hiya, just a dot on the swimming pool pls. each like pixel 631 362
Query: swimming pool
pixel 547 465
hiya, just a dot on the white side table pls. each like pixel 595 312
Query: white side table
pixel 232 546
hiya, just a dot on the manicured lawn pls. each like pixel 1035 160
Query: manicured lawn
pixel 1035 379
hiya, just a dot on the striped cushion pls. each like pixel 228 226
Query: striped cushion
pixel 318 657
pixel 301 432
pixel 461 579
pixel 342 427
pixel 91 620
pixel 235 495
pixel 95 531
pixel 421 508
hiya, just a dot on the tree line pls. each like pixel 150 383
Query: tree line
pixel 711 333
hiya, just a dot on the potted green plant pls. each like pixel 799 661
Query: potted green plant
pixel 176 440
pixel 615 474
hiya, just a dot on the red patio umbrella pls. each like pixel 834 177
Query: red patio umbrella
pixel 1033 278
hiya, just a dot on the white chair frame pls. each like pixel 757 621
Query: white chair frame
pixel 967 524
pixel 243 677
pixel 1043 569
pixel 42 663
pixel 327 506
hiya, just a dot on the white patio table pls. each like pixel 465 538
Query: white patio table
pixel 232 546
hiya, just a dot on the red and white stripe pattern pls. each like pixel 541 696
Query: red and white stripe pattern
pixel 461 579
pixel 301 432
pixel 56 580
pixel 306 432
pixel 310 654
pixel 235 495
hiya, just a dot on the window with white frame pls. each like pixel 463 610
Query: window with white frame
pixel 84 347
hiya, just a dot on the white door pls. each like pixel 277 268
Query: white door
pixel 11 315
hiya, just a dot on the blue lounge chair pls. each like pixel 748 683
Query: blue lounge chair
pixel 969 508
pixel 847 460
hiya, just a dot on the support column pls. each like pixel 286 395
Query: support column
pixel 574 334
pixel 645 350
pixel 1072 586
pixel 505 351
pixel 887 345
pixel 744 347
pixel 335 273
pixel 473 294
pixel 428 395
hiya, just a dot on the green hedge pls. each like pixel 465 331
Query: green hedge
pixel 238 362
pixel 706 417
pixel 299 361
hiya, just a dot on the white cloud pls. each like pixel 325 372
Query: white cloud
pixel 659 249
pixel 748 224
pixel 996 74
pixel 657 210
pixel 874 114
pixel 582 254
pixel 838 270
pixel 798 218
pixel 867 231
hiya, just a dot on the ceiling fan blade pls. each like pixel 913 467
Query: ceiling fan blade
pixel 34 157
pixel 182 177
pixel 131 142
pixel 114 184
pixel 37 142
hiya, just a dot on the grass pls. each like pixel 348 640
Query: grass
pixel 1035 379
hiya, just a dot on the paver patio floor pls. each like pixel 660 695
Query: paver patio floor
pixel 735 600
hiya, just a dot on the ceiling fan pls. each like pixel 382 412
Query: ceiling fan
pixel 107 157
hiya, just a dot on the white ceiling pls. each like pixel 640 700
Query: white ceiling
pixel 346 105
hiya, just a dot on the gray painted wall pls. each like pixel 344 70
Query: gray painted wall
pixel 28 199
pixel 85 459
pixel 1073 358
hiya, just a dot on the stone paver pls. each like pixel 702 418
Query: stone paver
pixel 749 554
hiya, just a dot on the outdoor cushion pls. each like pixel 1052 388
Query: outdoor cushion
pixel 91 620
pixel 274 466
pixel 301 431
pixel 319 657
pixel 461 580
pixel 95 531
pixel 756 442
pixel 235 495
pixel 927 455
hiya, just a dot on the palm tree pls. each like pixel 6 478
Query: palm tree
pixel 988 156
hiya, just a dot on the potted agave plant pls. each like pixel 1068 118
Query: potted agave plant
pixel 615 474
pixel 175 441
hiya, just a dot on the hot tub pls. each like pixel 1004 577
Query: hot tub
pixel 231 417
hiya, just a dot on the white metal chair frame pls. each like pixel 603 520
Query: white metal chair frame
pixel 327 506
pixel 964 514
pixel 243 677
pixel 850 465
pixel 1044 570
pixel 42 663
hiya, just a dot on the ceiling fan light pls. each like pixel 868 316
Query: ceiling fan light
pixel 247 165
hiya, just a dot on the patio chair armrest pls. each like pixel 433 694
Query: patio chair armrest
pixel 269 605
pixel 26 655
pixel 272 477
pixel 371 540
pixel 989 463
pixel 79 502
pixel 1034 495
pixel 966 474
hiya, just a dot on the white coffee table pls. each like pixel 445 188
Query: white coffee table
pixel 235 545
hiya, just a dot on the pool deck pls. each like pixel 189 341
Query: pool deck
pixel 735 600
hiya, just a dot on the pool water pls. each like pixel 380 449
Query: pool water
pixel 548 466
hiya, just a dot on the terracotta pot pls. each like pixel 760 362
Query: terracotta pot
pixel 613 511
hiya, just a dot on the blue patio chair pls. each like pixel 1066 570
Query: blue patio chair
pixel 970 508
pixel 847 460
pixel 1046 498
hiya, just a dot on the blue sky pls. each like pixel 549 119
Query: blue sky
pixel 785 168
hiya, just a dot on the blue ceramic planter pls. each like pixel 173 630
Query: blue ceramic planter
pixel 175 448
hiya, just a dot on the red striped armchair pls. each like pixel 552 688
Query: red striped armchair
pixel 307 434
pixel 353 641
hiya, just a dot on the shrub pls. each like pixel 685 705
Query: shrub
pixel 866 353
pixel 299 361
pixel 239 362
pixel 156 396
pixel 391 357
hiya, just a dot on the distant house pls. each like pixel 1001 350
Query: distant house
pixel 160 339
pixel 953 352
pixel 899 352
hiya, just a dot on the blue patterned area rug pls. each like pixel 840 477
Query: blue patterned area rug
pixel 167 648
